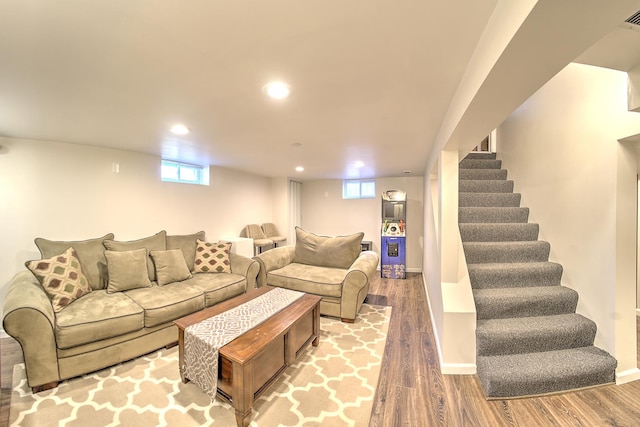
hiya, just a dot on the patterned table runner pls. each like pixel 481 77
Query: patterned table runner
pixel 203 340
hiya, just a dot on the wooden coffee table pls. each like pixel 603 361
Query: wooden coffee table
pixel 251 363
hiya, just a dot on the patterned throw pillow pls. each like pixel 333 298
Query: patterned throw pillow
pixel 61 277
pixel 212 257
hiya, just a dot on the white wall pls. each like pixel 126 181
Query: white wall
pixel 324 211
pixel 561 148
pixel 68 192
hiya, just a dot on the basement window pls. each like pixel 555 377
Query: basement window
pixel 171 171
pixel 358 189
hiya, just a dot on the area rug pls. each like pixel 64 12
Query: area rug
pixel 330 385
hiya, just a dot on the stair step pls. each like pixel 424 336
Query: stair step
pixel 533 334
pixel 498 232
pixel 480 155
pixel 488 200
pixel 492 214
pixel 501 275
pixel 482 174
pixel 521 375
pixel 504 252
pixel 485 186
pixel 480 164
pixel 524 302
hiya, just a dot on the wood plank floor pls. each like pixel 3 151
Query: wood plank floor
pixel 412 392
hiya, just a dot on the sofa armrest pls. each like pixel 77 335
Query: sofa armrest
pixel 274 259
pixel 247 267
pixel 356 284
pixel 29 318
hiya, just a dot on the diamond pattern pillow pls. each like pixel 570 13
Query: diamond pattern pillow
pixel 61 277
pixel 212 257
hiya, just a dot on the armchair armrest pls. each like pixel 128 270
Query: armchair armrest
pixel 246 267
pixel 29 318
pixel 274 259
pixel 356 284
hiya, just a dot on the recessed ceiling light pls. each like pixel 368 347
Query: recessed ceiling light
pixel 180 129
pixel 358 164
pixel 299 169
pixel 277 90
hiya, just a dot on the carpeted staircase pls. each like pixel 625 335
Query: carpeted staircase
pixel 529 338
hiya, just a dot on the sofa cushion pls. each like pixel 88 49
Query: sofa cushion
pixel 170 266
pixel 325 251
pixel 61 277
pixel 127 270
pixel 324 281
pixel 163 304
pixel 97 316
pixel 157 242
pixel 212 257
pixel 187 244
pixel 218 287
pixel 90 253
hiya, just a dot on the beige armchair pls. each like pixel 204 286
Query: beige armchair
pixel 271 231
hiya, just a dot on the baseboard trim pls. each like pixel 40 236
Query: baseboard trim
pixel 627 376
pixel 458 369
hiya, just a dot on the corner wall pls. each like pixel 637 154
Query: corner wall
pixel 561 148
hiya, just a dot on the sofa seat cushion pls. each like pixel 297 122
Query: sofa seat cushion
pixel 324 281
pixel 218 287
pixel 97 316
pixel 163 304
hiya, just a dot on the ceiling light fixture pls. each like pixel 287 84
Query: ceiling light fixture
pixel 179 129
pixel 358 164
pixel 277 90
pixel 299 169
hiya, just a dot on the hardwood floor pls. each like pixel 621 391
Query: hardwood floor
pixel 412 392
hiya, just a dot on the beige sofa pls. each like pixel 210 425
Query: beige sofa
pixel 334 268
pixel 123 303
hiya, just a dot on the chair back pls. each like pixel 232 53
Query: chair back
pixel 270 229
pixel 255 232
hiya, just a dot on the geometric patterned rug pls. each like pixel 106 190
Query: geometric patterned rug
pixel 330 385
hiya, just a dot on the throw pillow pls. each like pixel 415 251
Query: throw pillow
pixel 170 266
pixel 61 277
pixel 157 242
pixel 326 251
pixel 212 257
pixel 90 253
pixel 127 270
pixel 186 243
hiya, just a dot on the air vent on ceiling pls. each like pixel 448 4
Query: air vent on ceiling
pixel 634 19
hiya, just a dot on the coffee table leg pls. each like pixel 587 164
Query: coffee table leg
pixel 316 325
pixel 243 392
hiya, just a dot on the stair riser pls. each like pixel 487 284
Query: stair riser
pixel 503 307
pixel 513 341
pixel 508 252
pixel 480 164
pixel 495 174
pixel 481 155
pixel 487 276
pixel 485 186
pixel 489 200
pixel 498 232
pixel 493 215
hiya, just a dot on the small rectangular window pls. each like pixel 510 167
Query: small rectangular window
pixel 358 189
pixel 181 172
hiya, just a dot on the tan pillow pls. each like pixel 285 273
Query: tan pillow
pixel 186 243
pixel 157 242
pixel 325 251
pixel 127 270
pixel 90 253
pixel 170 266
pixel 61 277
pixel 212 257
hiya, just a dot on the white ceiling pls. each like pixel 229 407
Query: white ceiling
pixel 372 79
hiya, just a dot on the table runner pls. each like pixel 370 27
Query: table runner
pixel 203 340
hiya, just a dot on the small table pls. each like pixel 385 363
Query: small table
pixel 253 361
